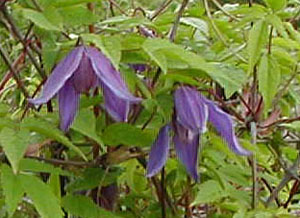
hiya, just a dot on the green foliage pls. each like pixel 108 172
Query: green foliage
pixel 269 78
pixel 12 188
pixel 122 133
pixel 84 207
pixel 14 145
pixel 243 57
pixel 257 39
pixel 51 208
pixel 48 130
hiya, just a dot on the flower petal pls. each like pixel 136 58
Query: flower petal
pixel 68 100
pixel 84 77
pixel 159 152
pixel 110 76
pixel 62 72
pixel 116 107
pixel 191 111
pixel 188 153
pixel 224 125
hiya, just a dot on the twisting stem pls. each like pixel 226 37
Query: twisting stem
pixel 254 166
pixel 177 20
pixel 21 39
pixel 289 174
pixel 7 76
pixel 118 7
pixel 14 73
pixel 161 9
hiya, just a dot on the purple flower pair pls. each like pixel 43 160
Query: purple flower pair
pixel 82 69
pixel 192 111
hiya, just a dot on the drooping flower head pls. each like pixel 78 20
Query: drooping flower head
pixel 82 69
pixel 192 111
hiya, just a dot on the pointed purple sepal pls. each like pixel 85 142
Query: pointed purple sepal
pixel 68 99
pixel 62 72
pixel 84 78
pixel 109 76
pixel 116 107
pixel 187 151
pixel 224 125
pixel 159 152
pixel 191 111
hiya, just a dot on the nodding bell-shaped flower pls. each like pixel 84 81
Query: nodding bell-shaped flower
pixel 82 69
pixel 192 111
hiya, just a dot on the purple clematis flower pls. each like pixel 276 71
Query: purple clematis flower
pixel 82 69
pixel 192 111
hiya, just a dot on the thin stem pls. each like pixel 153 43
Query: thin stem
pixel 270 190
pixel 38 7
pixel 156 77
pixel 18 34
pixel 270 40
pixel 162 8
pixel 177 20
pixel 12 69
pixel 218 32
pixel 282 91
pixel 162 183
pixel 254 167
pixel 289 174
pixel 188 212
pixel 118 7
pixel 293 191
pixel 91 7
pixel 224 11
pixel 9 74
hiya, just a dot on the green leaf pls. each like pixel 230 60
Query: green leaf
pixel 41 167
pixel 14 145
pixel 66 3
pixel 196 23
pixel 82 14
pixel 276 22
pixel 47 129
pixel 276 5
pixel 110 46
pixel 209 191
pixel 294 34
pixel 39 19
pixel 54 17
pixel 92 177
pixel 85 123
pixel 12 189
pixel 268 79
pixel 257 38
pixel 84 207
pixel 43 198
pixel 123 133
pixel 168 55
pixel 228 76
pixel 54 183
pixel 126 22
